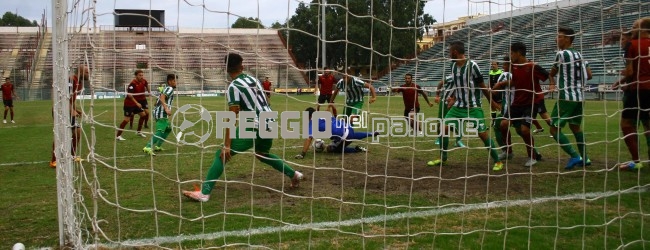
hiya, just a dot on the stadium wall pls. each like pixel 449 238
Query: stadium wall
pixel 14 29
pixel 529 10
pixel 227 31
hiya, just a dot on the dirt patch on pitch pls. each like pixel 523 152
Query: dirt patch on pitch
pixel 467 178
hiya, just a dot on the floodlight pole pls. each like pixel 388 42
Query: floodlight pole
pixel 323 32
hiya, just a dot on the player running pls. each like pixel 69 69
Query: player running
pixel 244 94
pixel 161 113
pixel 410 92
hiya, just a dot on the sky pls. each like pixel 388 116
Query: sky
pixel 222 13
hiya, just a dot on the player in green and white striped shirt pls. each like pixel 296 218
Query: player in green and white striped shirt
pixel 244 94
pixel 446 87
pixel 572 76
pixel 353 88
pixel 445 93
pixel 468 85
pixel 161 113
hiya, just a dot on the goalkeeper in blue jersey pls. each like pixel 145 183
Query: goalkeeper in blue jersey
pixel 342 135
pixel 161 113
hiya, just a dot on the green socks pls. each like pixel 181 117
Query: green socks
pixel 582 145
pixel 493 153
pixel 214 173
pixel 565 144
pixel 216 170
pixel 277 163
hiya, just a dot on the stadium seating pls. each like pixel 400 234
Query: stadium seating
pixel 196 57
pixel 17 50
pixel 537 30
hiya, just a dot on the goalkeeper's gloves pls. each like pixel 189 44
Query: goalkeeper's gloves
pixel 300 156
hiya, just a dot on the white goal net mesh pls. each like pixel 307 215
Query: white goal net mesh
pixel 380 193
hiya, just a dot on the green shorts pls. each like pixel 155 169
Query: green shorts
pixel 566 111
pixel 472 116
pixel 163 125
pixel 239 145
pixel 353 108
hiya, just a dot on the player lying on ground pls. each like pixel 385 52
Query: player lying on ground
pixel 342 135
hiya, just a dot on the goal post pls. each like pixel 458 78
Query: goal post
pixel 69 228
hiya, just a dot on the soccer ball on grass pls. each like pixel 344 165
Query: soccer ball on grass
pixel 319 145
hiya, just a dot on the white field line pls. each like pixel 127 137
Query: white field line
pixel 374 219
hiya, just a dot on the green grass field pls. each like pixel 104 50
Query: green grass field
pixel 386 198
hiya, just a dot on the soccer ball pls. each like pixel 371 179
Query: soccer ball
pixel 192 124
pixel 319 145
pixel 18 246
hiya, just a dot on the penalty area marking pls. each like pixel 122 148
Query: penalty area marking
pixel 374 219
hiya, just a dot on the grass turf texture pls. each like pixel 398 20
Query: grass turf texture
pixel 140 195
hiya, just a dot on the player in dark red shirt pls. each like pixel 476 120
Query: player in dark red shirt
pixel 8 94
pixel 75 112
pixel 132 106
pixel 266 85
pixel 410 92
pixel 526 77
pixel 76 85
pixel 636 90
pixel 142 91
pixel 326 82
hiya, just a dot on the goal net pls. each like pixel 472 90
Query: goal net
pixel 381 193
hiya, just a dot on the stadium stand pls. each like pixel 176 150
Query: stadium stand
pixel 18 50
pixel 536 26
pixel 195 55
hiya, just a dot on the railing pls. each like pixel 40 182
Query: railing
pixel 40 37
pixel 138 29
pixel 293 58
pixel 34 59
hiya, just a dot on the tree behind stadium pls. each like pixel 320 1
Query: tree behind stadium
pixel 362 17
pixel 247 23
pixel 11 19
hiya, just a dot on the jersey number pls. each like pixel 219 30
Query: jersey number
pixel 579 65
pixel 261 97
